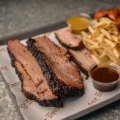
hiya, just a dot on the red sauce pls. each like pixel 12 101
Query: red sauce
pixel 105 74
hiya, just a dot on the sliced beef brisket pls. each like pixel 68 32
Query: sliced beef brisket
pixel 67 74
pixel 68 39
pixel 34 83
pixel 83 58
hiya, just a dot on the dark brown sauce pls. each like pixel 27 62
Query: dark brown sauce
pixel 105 74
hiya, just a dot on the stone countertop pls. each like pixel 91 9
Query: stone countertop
pixel 18 16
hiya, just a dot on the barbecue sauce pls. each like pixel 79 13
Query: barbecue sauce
pixel 106 78
pixel 105 74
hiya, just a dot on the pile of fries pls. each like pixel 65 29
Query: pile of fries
pixel 103 41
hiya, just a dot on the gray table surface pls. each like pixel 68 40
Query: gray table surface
pixel 19 16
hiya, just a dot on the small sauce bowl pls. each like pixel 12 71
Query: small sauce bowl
pixel 105 77
pixel 79 23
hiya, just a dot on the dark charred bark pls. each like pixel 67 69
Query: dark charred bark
pixel 47 103
pixel 57 88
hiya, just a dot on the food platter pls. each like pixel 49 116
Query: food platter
pixel 74 107
pixel 90 101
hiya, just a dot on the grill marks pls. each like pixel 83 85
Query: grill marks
pixel 34 83
pixel 58 61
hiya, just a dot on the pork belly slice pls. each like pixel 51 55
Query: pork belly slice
pixel 67 74
pixel 34 84
pixel 67 38
pixel 83 58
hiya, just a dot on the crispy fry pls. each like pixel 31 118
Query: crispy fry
pixel 110 43
pixel 102 55
pixel 84 34
pixel 95 22
pixel 99 24
pixel 115 38
pixel 116 52
pixel 106 33
pixel 100 38
pixel 90 29
pixel 105 19
pixel 95 53
pixel 96 59
pixel 103 40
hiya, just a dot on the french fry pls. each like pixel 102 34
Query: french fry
pixel 102 55
pixel 116 52
pixel 96 59
pixel 115 38
pixel 112 44
pixel 116 33
pixel 105 58
pixel 113 59
pixel 99 24
pixel 84 34
pixel 105 19
pixel 90 29
pixel 95 22
pixel 95 53
pixel 103 41
pixel 100 38
pixel 95 47
pixel 106 33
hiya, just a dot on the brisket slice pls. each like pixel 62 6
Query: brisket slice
pixel 66 38
pixel 34 84
pixel 83 58
pixel 68 77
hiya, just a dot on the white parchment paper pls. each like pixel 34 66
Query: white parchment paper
pixel 75 107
